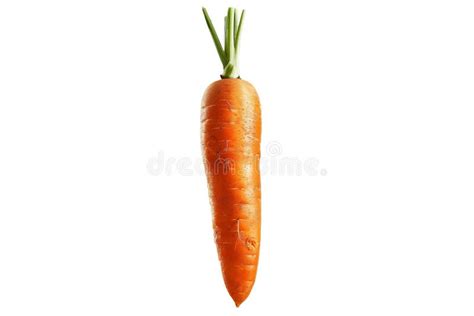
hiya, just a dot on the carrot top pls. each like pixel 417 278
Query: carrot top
pixel 230 53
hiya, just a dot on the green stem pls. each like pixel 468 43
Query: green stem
pixel 226 47
pixel 215 38
pixel 237 33
pixel 229 55
pixel 236 24
pixel 229 43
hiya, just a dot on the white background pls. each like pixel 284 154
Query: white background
pixel 380 92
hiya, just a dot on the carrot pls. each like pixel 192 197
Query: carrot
pixel 230 138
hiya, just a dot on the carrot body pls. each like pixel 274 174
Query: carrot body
pixel 230 138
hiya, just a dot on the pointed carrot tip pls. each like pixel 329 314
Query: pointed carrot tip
pixel 238 301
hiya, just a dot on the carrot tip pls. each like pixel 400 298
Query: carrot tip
pixel 238 301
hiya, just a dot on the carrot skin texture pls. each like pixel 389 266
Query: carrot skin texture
pixel 230 139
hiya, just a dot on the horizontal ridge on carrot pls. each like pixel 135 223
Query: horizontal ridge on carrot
pixel 230 139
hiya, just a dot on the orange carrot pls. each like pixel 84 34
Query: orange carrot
pixel 230 137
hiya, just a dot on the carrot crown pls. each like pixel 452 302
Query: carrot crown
pixel 230 53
